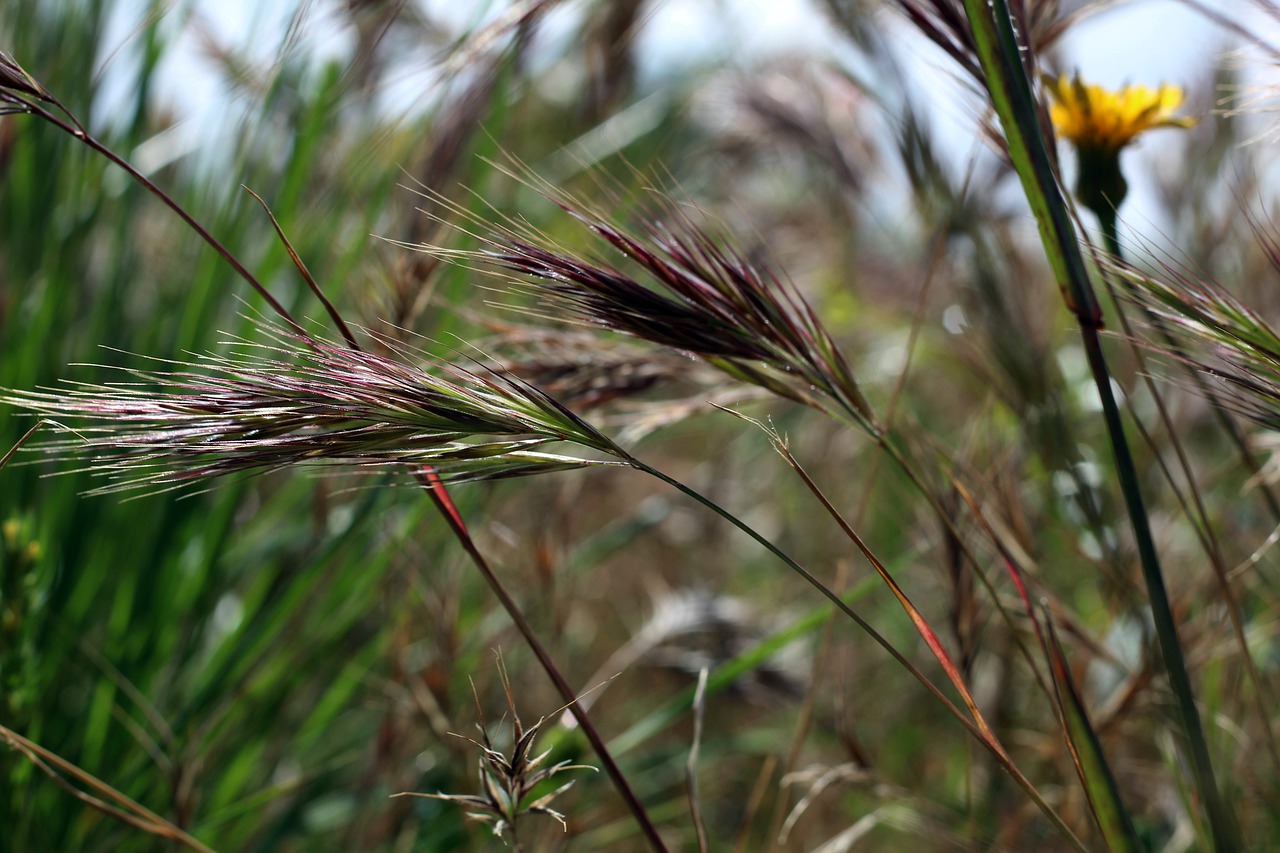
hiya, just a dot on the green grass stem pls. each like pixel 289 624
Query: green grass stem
pixel 1010 89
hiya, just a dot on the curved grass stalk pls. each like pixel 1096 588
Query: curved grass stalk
pixel 22 94
pixel 115 804
pixel 977 726
pixel 824 647
pixel 1010 90
pixel 1105 803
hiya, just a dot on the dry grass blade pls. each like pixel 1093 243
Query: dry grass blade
pixel 4 460
pixel 115 804
pixel 816 781
pixel 329 308
pixel 691 765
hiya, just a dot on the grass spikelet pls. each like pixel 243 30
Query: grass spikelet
pixel 264 407
pixel 1230 343
pixel 698 295
pixel 513 783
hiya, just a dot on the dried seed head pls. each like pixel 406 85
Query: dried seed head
pixel 510 781
pixel 14 79
pixel 269 406
pixel 683 289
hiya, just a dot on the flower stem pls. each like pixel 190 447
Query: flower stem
pixel 1010 89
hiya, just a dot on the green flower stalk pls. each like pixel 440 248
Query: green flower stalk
pixel 1010 89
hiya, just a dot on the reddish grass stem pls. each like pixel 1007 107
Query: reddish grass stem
pixel 431 482
pixel 981 732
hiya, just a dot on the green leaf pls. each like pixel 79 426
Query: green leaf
pixel 1086 752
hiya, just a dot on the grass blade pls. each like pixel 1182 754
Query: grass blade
pixel 1011 95
pixel 1086 752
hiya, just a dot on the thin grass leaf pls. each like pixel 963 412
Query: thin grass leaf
pixel 1002 61
pixel 1099 782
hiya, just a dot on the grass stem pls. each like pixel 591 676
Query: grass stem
pixel 1007 81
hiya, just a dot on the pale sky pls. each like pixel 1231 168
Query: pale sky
pixel 680 32
pixel 1175 44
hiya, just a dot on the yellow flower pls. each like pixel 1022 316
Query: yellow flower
pixel 1099 123
pixel 1102 121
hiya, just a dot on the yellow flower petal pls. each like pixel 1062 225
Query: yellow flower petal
pixel 1104 122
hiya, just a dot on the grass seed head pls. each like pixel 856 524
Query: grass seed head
pixel 269 406
pixel 513 783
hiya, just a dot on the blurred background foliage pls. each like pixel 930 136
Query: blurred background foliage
pixel 265 663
